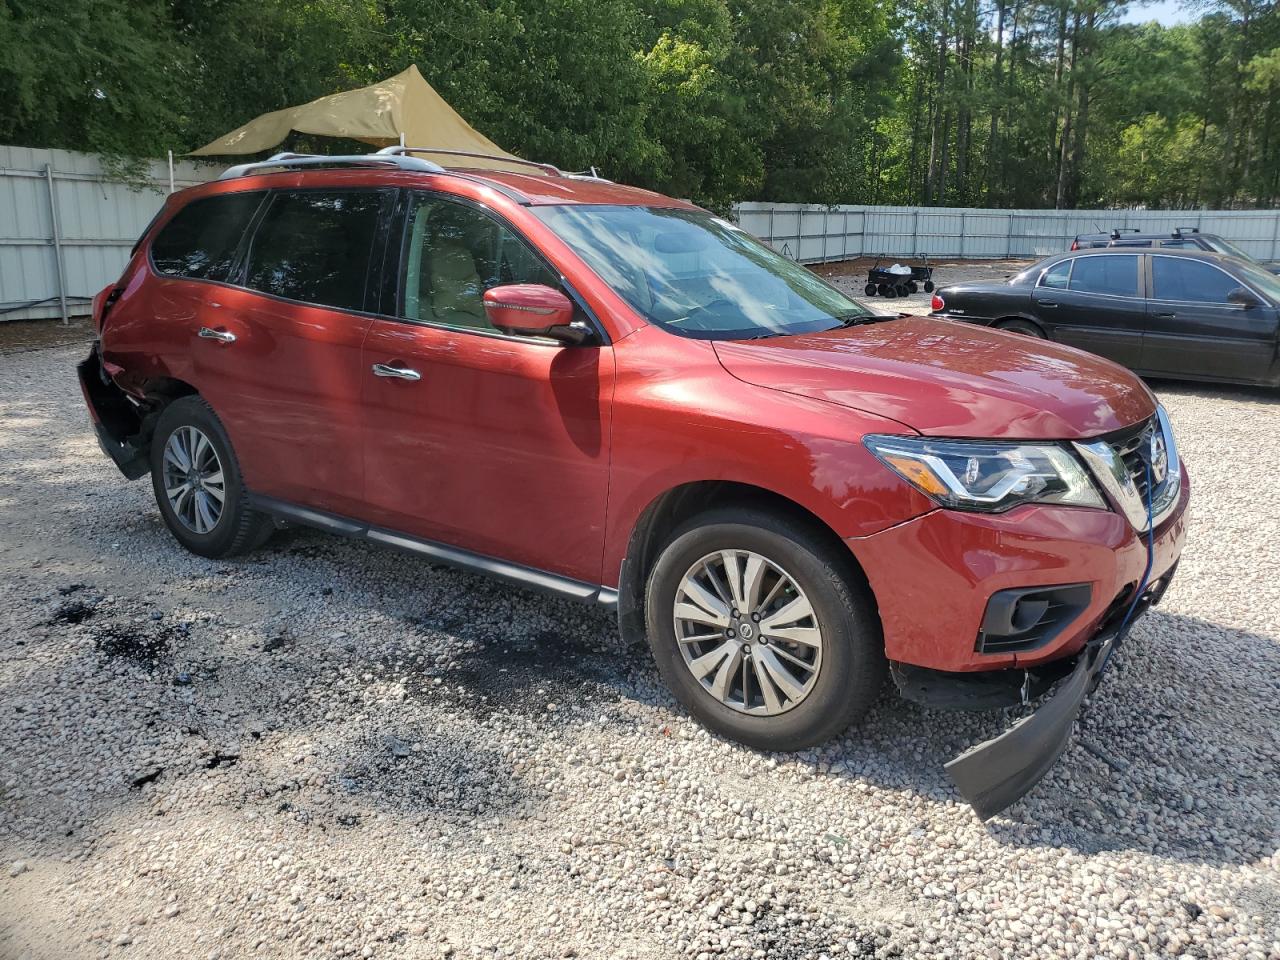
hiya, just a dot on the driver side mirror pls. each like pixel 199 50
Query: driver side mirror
pixel 535 310
pixel 1244 297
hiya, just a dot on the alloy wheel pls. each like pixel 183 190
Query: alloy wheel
pixel 747 632
pixel 193 479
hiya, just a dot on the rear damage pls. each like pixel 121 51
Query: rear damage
pixel 122 428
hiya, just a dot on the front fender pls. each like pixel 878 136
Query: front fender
pixel 687 420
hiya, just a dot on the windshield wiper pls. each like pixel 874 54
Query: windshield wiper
pixel 857 319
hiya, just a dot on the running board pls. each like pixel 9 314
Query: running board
pixel 522 576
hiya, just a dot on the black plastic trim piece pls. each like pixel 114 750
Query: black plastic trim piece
pixel 1021 619
pixel 518 574
pixel 116 422
pixel 977 690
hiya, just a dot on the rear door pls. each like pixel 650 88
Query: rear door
pixel 1094 302
pixel 494 443
pixel 1194 330
pixel 279 356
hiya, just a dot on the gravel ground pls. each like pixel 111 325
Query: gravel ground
pixel 328 750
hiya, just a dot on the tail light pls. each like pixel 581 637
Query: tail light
pixel 1075 244
pixel 937 303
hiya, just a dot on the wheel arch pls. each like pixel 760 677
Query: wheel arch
pixel 999 322
pixel 675 506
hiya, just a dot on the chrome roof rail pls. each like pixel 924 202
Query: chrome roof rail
pixel 292 160
pixel 587 175
pixel 402 151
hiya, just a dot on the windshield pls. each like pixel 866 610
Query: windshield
pixel 1230 249
pixel 1264 280
pixel 697 275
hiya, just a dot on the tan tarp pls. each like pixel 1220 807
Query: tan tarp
pixel 378 114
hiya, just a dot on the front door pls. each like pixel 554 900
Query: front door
pixel 1194 330
pixel 1094 302
pixel 496 444
pixel 279 359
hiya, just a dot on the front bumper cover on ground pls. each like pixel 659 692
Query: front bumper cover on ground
pixel 998 772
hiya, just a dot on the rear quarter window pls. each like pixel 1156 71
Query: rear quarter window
pixel 200 241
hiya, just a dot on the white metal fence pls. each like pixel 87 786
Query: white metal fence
pixel 66 226
pixel 815 234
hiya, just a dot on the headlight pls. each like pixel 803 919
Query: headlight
pixel 989 477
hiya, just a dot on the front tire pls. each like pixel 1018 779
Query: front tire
pixel 196 479
pixel 763 630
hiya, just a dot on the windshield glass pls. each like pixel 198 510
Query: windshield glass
pixel 1230 249
pixel 1263 280
pixel 697 275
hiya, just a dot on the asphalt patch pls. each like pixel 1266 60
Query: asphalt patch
pixel 73 612
pixel 441 773
pixel 145 645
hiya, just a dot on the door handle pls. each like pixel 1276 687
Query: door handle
pixel 400 373
pixel 1165 316
pixel 222 336
pixel 1052 304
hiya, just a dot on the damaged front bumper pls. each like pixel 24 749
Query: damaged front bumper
pixel 116 420
pixel 998 772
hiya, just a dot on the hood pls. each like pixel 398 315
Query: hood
pixel 945 378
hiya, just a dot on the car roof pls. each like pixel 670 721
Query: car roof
pixel 540 190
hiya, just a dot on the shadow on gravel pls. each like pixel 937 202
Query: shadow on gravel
pixel 1218 391
pixel 525 673
pixel 1176 755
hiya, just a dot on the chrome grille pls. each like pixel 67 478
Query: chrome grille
pixel 1121 462
pixel 1133 446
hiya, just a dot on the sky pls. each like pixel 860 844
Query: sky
pixel 1166 12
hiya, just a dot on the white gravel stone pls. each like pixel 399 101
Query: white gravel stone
pixel 329 750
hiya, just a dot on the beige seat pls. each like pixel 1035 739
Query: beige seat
pixel 457 295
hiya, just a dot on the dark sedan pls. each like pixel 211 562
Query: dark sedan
pixel 1164 313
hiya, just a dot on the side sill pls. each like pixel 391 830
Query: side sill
pixel 528 577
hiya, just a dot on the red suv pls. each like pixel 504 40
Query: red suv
pixel 611 395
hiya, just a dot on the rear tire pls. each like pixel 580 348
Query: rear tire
pixel 1024 327
pixel 196 479
pixel 833 655
pixel 869 290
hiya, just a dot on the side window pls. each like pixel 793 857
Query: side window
pixel 1180 244
pixel 1190 280
pixel 1056 276
pixel 200 241
pixel 315 245
pixel 1115 276
pixel 454 254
